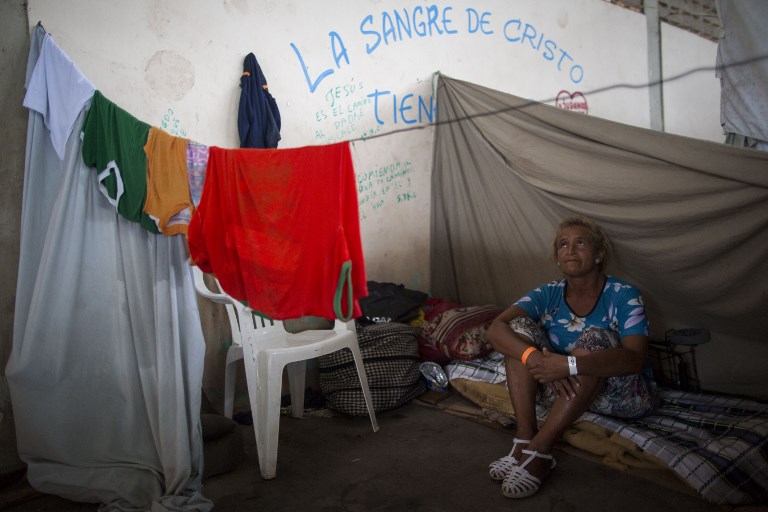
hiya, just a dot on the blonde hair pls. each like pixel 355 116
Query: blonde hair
pixel 598 237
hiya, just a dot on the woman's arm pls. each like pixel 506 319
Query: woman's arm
pixel 503 339
pixel 513 345
pixel 615 362
pixel 611 362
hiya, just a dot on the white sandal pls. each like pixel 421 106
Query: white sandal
pixel 520 483
pixel 499 469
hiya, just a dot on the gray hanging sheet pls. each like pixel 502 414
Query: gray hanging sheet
pixel 106 368
pixel 688 218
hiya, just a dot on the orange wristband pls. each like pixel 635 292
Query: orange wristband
pixel 527 353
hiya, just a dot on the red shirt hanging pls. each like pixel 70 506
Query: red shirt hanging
pixel 280 230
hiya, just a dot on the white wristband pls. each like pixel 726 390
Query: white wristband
pixel 572 366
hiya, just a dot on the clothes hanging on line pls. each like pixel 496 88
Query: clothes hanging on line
pixel 306 254
pixel 113 143
pixel 197 161
pixel 168 199
pixel 280 230
pixel 258 118
pixel 743 69
pixel 150 176
pixel 59 91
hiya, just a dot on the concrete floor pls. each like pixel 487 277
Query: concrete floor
pixel 423 458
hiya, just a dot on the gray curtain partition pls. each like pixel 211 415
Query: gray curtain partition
pixel 688 218
pixel 106 368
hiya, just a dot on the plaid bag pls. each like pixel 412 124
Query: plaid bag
pixel 391 358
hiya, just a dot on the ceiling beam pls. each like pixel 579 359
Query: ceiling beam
pixel 696 16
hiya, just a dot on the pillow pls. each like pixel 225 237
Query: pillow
pixel 430 353
pixel 433 306
pixel 459 333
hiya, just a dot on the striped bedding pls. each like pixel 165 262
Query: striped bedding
pixel 718 444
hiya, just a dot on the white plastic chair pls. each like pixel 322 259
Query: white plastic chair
pixel 267 348
pixel 235 351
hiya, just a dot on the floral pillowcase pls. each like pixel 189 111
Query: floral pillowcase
pixel 459 333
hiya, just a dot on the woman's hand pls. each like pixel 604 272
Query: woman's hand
pixel 565 388
pixel 552 370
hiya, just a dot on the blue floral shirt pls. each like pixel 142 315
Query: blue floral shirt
pixel 619 309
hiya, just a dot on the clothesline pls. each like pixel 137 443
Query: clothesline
pixel 531 103
pixel 261 227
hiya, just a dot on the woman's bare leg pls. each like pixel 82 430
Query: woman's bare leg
pixel 562 415
pixel 522 392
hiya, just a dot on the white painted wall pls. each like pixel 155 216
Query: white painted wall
pixel 338 73
pixel 691 90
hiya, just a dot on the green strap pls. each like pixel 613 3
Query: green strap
pixel 345 277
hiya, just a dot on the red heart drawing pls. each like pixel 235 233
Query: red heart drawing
pixel 575 102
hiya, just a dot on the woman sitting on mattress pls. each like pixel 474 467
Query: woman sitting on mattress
pixel 578 343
